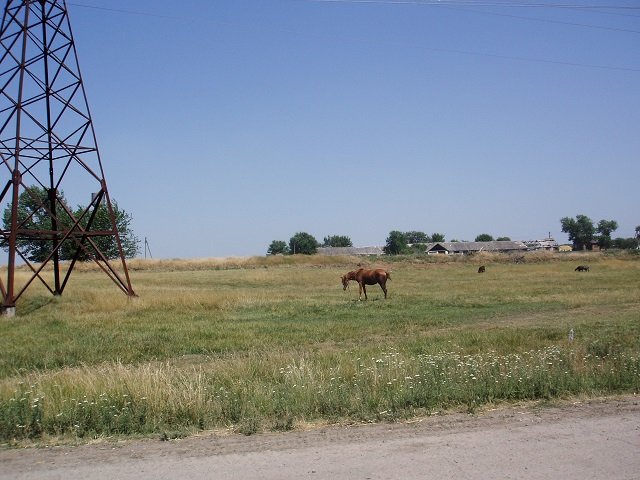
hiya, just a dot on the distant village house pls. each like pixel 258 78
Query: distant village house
pixel 455 248
pixel 466 248
pixel 548 244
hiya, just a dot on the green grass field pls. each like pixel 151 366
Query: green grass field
pixel 274 343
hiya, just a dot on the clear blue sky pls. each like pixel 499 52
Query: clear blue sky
pixel 224 125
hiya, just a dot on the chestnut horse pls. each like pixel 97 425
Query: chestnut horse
pixel 367 277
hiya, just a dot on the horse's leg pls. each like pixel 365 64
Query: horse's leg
pixel 364 289
pixel 384 287
pixel 360 291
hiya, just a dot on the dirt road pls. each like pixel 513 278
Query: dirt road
pixel 577 441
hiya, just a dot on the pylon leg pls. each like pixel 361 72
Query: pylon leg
pixel 47 136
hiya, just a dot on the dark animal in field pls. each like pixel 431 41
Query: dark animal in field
pixel 481 269
pixel 366 277
pixel 582 268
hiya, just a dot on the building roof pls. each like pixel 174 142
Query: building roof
pixel 350 251
pixel 469 247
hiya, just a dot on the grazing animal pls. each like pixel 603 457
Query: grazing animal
pixel 481 269
pixel 366 277
pixel 582 268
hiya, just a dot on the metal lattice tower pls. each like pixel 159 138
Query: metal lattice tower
pixel 47 144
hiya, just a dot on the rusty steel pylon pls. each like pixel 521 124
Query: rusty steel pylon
pixel 47 144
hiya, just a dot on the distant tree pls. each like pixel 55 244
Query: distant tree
pixel 503 239
pixel 278 247
pixel 638 232
pixel 337 241
pixel 484 237
pixel 396 243
pixel 34 214
pixel 604 229
pixel 437 237
pixel 624 243
pixel 108 244
pixel 303 243
pixel 417 237
pixel 580 231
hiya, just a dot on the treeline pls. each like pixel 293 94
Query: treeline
pixel 585 234
pixel 582 231
pixel 34 215
pixel 306 244
pixel 396 243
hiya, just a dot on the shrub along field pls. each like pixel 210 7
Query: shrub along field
pixel 274 343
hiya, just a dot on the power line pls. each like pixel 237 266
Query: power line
pixel 545 20
pixel 435 49
pixel 483 3
pixel 127 12
pixel 538 60
pixel 599 9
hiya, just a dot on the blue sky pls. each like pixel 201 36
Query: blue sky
pixel 224 125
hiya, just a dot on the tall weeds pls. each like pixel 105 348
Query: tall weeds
pixel 115 399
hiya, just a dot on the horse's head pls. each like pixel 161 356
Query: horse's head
pixel 345 282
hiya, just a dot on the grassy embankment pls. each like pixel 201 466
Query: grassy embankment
pixel 273 343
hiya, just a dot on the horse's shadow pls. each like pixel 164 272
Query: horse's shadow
pixel 356 300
